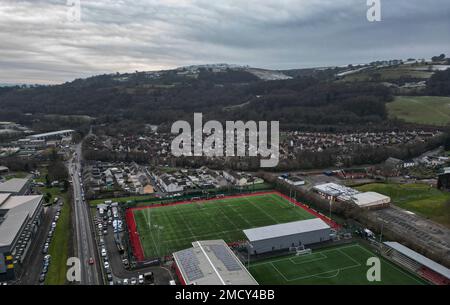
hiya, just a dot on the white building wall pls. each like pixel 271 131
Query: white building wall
pixel 285 242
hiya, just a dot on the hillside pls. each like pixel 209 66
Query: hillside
pixel 304 98
pixel 429 110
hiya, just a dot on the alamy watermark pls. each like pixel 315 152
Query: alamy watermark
pixel 374 272
pixel 74 10
pixel 374 11
pixel 73 274
pixel 241 139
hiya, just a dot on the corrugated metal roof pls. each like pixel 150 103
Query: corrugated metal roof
pixel 285 229
pixel 19 209
pixel 13 185
pixel 442 270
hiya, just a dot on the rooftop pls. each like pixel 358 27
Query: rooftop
pixel 53 133
pixel 19 208
pixel 285 229
pixel 442 270
pixel 336 190
pixel 14 185
pixel 212 263
pixel 370 198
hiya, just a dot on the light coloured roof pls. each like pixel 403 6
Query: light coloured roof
pixel 334 189
pixel 370 198
pixel 212 263
pixel 285 229
pixel 19 209
pixel 13 185
pixel 53 133
pixel 442 270
pixel 3 198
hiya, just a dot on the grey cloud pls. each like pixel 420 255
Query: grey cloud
pixel 38 44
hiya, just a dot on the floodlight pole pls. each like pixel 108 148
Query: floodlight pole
pixel 331 200
pixel 249 245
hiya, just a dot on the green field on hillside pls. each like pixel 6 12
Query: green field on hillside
pixel 430 110
pixel 418 198
pixel 389 74
pixel 219 219
pixel 342 265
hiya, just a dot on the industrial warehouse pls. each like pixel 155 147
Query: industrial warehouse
pixel 287 235
pixel 211 263
pixel 340 193
pixel 20 218
pixel 16 186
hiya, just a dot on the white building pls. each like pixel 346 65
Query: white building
pixel 346 194
pixel 283 236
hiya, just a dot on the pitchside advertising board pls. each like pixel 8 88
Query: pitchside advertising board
pixel 2 263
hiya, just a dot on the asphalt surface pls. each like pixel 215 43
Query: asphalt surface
pixel 162 274
pixel 85 244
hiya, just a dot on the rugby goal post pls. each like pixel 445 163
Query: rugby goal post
pixel 303 252
pixel 300 250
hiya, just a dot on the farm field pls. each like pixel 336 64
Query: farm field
pixel 341 265
pixel 163 230
pixel 429 110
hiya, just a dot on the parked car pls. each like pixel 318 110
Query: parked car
pixel 141 279
pixel 103 252
pixel 42 278
pixel 133 281
pixel 106 264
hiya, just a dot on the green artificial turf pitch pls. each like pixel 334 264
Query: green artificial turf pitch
pixel 164 230
pixel 341 265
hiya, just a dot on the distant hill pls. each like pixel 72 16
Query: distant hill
pixel 300 98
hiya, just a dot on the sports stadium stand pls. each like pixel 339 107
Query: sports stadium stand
pixel 417 263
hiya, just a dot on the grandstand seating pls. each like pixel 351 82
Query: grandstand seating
pixel 405 261
pixel 433 277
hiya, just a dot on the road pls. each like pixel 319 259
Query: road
pixel 86 247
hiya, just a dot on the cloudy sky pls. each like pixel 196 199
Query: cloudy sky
pixel 39 43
